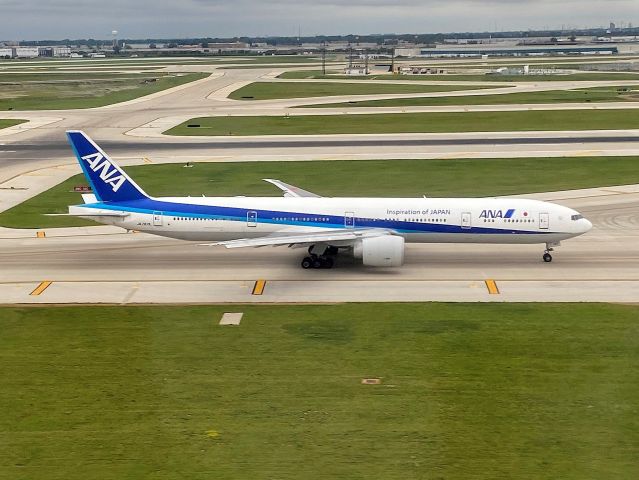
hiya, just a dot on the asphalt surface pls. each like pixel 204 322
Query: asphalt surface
pixel 105 265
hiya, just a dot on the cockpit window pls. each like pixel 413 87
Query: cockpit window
pixel 576 217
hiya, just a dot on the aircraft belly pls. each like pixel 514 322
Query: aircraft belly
pixel 503 238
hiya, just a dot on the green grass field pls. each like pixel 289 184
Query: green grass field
pixel 360 178
pixel 410 123
pixel 317 74
pixel 587 95
pixel 274 90
pixel 500 391
pixel 5 123
pixel 67 90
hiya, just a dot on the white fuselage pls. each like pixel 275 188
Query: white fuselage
pixel 421 220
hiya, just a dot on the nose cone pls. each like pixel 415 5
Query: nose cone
pixel 585 225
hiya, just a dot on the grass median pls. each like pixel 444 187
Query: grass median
pixel 61 91
pixel 517 390
pixel 275 90
pixel 587 95
pixel 5 123
pixel 571 77
pixel 505 121
pixel 357 178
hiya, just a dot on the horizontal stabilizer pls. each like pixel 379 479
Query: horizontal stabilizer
pixel 89 198
pixel 98 213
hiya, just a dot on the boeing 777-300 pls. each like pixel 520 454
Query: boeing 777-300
pixel 372 229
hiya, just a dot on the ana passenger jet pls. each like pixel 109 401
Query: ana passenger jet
pixel 373 229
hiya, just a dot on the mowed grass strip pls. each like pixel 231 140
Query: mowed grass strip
pixel 70 91
pixel 506 391
pixel 545 120
pixel 360 178
pixel 608 94
pixel 275 90
pixel 5 123
pixel 571 77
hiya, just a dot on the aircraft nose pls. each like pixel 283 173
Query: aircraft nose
pixel 586 225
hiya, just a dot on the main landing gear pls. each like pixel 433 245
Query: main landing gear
pixel 316 261
pixel 325 260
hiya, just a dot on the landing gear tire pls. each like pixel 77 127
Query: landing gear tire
pixel 317 262
pixel 547 257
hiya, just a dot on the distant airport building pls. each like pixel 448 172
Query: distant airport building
pixel 54 51
pixel 518 51
pixel 515 49
pixel 26 52
pixel 34 52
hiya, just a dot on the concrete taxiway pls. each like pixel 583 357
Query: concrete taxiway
pixel 105 264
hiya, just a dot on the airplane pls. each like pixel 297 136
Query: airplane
pixel 374 230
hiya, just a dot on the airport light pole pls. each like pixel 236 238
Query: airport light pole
pixel 324 57
pixel 393 61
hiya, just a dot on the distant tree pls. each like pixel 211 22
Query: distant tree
pixel 172 45
pixel 153 45
pixel 128 47
pixel 553 40
pixel 205 44
pixel 116 49
pixel 573 38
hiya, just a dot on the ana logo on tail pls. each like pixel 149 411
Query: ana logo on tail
pixel 108 173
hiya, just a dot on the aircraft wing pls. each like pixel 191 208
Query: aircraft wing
pixel 345 236
pixel 290 190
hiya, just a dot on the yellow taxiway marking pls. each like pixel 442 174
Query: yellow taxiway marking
pixel 41 288
pixel 146 160
pixel 258 288
pixel 41 234
pixel 491 285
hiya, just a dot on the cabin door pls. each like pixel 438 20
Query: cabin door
pixel 251 219
pixel 466 222
pixel 349 219
pixel 157 219
pixel 544 221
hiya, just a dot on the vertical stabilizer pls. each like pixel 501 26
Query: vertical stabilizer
pixel 109 182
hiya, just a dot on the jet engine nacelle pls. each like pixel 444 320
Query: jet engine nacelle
pixel 384 251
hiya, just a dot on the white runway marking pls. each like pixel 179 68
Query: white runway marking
pixel 231 319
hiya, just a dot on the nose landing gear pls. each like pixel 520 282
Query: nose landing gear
pixel 547 257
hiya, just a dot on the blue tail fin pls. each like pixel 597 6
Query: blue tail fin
pixel 109 182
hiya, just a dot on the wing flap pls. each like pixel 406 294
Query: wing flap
pixel 305 238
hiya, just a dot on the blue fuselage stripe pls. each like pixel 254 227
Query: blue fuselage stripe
pixel 172 209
